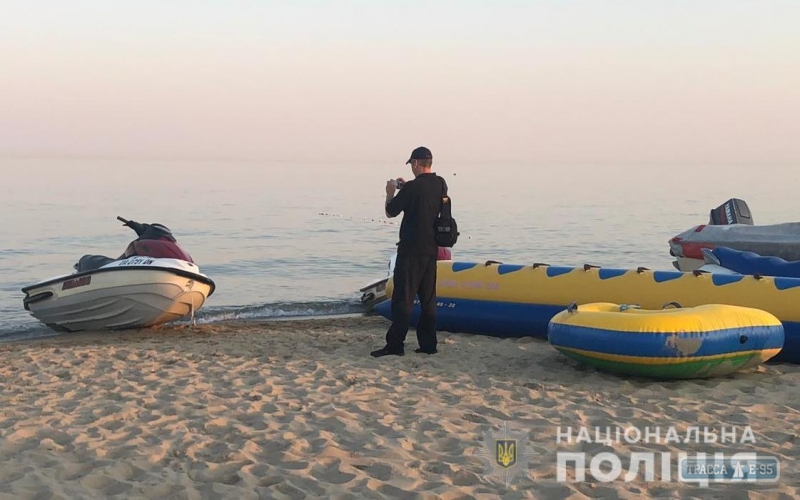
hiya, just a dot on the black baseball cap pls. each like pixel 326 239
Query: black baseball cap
pixel 421 153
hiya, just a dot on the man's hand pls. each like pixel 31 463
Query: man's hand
pixel 390 188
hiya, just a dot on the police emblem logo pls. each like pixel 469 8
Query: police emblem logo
pixel 505 453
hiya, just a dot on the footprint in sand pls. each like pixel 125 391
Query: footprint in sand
pixel 50 445
pixel 452 446
pixel 293 465
pixel 161 491
pixel 113 425
pixel 253 421
pixel 216 452
pixel 395 492
pixel 15 446
pixel 108 486
pixel 122 451
pixel 306 485
pixel 127 472
pixel 287 490
pixel 332 473
pixel 474 418
pixel 10 474
pixel 226 473
pixel 465 478
pixel 377 471
pixel 93 432
pixel 427 425
pixel 43 460
pixel 266 451
pixel 269 481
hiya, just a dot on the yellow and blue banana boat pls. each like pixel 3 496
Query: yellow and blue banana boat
pixel 696 342
pixel 510 300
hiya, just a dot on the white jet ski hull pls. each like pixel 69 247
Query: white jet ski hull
pixel 131 293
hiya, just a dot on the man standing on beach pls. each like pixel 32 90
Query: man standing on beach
pixel 415 268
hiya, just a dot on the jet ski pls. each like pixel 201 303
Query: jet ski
pixel 135 290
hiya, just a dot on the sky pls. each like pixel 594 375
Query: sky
pixel 361 81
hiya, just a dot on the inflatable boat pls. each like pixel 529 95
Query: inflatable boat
pixel 695 342
pixel 512 300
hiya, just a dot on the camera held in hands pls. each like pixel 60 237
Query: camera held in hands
pixel 398 184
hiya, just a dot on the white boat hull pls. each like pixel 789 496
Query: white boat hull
pixel 375 292
pixel 120 296
pixel 687 265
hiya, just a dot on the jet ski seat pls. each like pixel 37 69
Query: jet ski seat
pixel 92 262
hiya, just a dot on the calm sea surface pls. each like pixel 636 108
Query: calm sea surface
pixel 284 240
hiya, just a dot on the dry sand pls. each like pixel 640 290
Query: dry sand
pixel 300 410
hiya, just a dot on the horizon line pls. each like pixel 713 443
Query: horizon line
pixel 95 156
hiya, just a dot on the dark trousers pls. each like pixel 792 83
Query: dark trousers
pixel 413 275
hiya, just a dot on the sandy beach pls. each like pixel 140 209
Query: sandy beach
pixel 298 409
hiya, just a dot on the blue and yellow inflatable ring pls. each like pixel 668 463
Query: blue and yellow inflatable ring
pixel 697 342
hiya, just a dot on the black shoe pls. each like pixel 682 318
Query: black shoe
pixel 387 352
pixel 426 351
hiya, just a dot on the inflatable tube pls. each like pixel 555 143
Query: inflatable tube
pixel 511 300
pixel 698 342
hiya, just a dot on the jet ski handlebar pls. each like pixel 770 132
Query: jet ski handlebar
pixel 139 228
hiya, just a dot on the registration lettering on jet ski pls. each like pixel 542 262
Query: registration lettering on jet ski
pixel 75 283
pixel 137 261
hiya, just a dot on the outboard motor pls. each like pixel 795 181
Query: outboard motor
pixel 733 211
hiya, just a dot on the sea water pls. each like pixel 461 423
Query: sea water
pixel 284 239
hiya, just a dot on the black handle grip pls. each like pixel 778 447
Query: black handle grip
pixel 139 228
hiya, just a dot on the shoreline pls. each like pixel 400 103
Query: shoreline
pixel 47 333
pixel 291 408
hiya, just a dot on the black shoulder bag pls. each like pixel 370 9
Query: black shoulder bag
pixel 445 227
